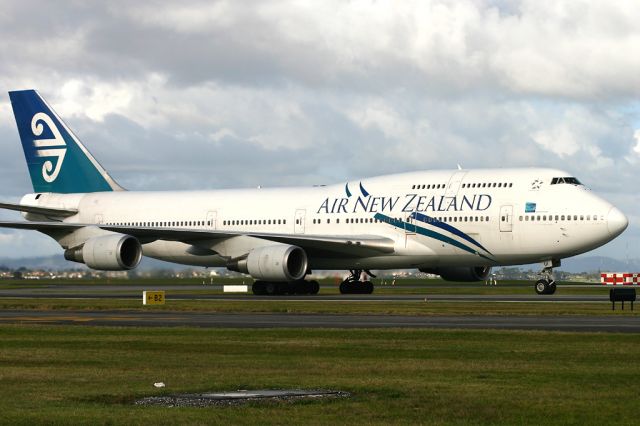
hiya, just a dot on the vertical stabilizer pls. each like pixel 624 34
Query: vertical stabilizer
pixel 57 160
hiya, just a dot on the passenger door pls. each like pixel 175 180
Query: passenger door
pixel 298 224
pixel 454 183
pixel 212 217
pixel 506 219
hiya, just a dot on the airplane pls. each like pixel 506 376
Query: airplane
pixel 454 223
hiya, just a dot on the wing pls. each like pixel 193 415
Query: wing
pixel 314 245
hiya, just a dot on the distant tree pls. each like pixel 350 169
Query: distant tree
pixel 17 275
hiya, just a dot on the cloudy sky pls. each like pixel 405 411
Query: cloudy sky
pixel 219 94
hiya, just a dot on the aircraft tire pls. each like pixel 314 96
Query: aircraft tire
pixel 300 287
pixel 552 288
pixel 314 287
pixel 356 287
pixel 542 287
pixel 258 288
pixel 367 287
pixel 271 288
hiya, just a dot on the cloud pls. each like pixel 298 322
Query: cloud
pixel 219 94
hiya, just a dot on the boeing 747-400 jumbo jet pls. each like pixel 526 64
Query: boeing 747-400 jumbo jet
pixel 457 224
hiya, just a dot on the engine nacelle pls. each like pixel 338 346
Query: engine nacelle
pixel 279 262
pixel 116 252
pixel 461 273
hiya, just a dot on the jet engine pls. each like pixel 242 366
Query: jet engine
pixel 115 252
pixel 461 273
pixel 279 262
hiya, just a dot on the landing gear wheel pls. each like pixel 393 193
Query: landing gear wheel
pixel 356 287
pixel 258 288
pixel 314 287
pixel 552 288
pixel 542 287
pixel 271 288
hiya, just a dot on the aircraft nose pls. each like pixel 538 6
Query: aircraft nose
pixel 616 222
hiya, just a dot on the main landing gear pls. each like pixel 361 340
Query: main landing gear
pixel 353 285
pixel 547 285
pixel 270 288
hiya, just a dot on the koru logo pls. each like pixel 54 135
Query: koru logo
pixel 535 185
pixel 55 147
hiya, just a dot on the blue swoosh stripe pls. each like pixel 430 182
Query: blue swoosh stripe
pixel 442 225
pixel 427 233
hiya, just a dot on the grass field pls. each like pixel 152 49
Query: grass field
pixel 87 375
pixel 92 375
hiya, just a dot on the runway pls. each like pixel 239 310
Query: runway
pixel 155 318
pixel 195 292
pixel 623 324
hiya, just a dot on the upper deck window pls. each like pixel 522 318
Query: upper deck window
pixel 569 180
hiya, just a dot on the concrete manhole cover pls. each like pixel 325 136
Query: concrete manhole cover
pixel 238 397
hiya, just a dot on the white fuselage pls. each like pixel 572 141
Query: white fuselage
pixel 435 218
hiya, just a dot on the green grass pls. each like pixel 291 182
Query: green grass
pixel 91 375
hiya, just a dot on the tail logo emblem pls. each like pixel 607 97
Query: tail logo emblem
pixel 48 148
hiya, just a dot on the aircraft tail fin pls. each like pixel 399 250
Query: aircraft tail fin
pixel 57 160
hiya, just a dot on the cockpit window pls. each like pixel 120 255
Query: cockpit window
pixel 569 180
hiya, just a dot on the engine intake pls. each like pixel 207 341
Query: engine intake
pixel 461 273
pixel 115 252
pixel 279 262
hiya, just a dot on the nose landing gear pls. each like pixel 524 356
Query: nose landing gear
pixel 547 284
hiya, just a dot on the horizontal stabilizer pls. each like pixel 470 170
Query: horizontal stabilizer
pixel 45 211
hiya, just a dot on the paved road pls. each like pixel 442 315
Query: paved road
pixel 624 324
pixel 135 292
